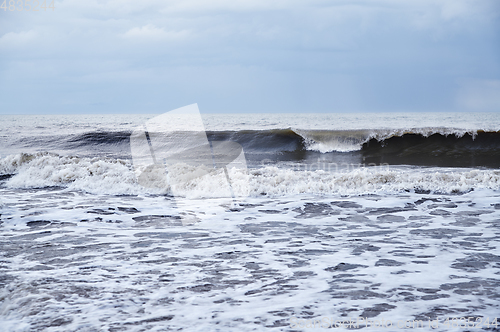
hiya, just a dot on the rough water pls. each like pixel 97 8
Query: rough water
pixel 320 242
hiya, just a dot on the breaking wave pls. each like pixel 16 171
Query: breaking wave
pixel 117 177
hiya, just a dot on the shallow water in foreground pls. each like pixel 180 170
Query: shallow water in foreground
pixel 83 262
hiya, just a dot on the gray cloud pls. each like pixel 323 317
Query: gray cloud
pixel 230 56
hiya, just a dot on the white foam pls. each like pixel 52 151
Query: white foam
pixel 111 176
pixel 11 163
pixel 340 141
pixel 275 181
pixel 353 140
pixel 93 175
pixel 109 274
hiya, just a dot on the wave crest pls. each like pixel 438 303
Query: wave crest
pixel 325 141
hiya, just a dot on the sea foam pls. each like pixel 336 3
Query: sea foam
pixel 325 141
pixel 117 177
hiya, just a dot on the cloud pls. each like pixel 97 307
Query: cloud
pixel 18 39
pixel 151 32
pixel 480 95
pixel 235 6
pixel 396 54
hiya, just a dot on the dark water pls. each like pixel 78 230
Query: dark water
pixel 481 149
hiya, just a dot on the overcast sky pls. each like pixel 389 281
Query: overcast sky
pixel 151 56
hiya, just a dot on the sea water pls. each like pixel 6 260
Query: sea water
pixel 351 221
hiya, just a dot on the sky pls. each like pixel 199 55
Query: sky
pixel 242 56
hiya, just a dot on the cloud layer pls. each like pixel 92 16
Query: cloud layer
pixel 251 56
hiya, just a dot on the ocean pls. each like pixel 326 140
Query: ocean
pixel 376 221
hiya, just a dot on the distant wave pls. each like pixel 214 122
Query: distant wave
pixel 325 141
pixel 413 146
pixel 100 137
pixel 419 146
pixel 476 149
